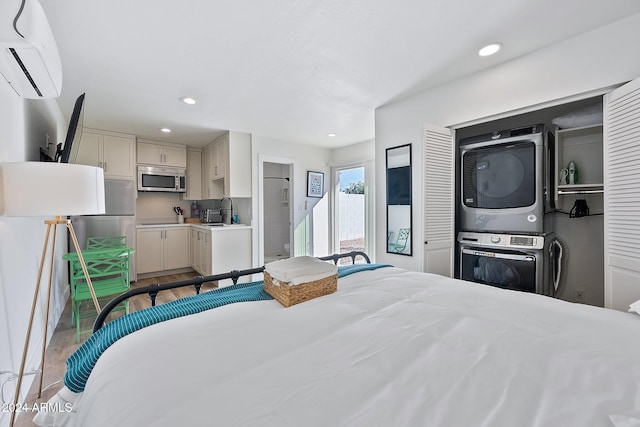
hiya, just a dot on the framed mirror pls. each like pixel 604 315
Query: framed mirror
pixel 399 220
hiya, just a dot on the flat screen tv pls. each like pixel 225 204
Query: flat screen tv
pixel 69 151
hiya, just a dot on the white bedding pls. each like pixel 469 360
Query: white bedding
pixel 389 348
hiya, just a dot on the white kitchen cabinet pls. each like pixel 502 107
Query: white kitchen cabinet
pixel 193 249
pixel 205 253
pixel 211 189
pixel 230 250
pixel 218 160
pixel 226 166
pixel 176 247
pixel 200 243
pixel 206 172
pixel 194 175
pixel 149 250
pixel 218 250
pixel 162 154
pixel 162 248
pixel 113 152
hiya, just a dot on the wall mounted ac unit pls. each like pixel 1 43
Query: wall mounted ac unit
pixel 29 61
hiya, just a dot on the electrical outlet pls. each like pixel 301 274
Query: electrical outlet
pixel 580 295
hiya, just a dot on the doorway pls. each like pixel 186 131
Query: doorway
pixel 350 207
pixel 276 210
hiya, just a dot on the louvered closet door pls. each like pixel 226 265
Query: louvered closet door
pixel 438 200
pixel 622 196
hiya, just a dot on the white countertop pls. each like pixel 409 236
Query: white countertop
pixel 207 227
pixel 225 227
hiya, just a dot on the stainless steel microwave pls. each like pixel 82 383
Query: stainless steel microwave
pixel 151 178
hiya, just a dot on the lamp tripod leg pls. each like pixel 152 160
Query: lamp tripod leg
pixel 46 317
pixel 26 341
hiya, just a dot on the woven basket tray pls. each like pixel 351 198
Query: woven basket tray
pixel 289 295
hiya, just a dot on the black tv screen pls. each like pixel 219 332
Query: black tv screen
pixel 399 186
pixel 69 151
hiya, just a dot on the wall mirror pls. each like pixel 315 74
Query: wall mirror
pixel 399 234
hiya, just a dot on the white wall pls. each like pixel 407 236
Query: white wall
pixel 152 207
pixel 310 215
pixel 598 59
pixel 23 128
pixel 354 153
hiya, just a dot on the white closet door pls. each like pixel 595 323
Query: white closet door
pixel 438 200
pixel 622 196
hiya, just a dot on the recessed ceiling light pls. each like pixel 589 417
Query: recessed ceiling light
pixel 165 130
pixel 490 49
pixel 188 100
pixel 331 134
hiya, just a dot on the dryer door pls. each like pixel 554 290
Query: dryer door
pixel 504 269
pixel 501 176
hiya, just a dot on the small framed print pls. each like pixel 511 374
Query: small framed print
pixel 315 184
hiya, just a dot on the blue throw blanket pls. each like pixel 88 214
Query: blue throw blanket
pixel 82 361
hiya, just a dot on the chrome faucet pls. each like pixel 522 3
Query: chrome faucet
pixel 227 212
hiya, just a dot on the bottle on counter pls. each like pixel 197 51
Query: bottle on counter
pixel 195 210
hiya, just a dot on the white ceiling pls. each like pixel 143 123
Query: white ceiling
pixel 290 70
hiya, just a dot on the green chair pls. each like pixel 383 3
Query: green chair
pixel 106 242
pixel 109 272
pixel 401 242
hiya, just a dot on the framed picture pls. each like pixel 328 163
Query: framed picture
pixel 315 184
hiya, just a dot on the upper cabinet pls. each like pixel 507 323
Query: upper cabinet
pixel 226 166
pixel 162 154
pixel 211 189
pixel 194 175
pixel 114 152
pixel 219 159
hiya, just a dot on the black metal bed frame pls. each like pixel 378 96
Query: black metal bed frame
pixel 153 290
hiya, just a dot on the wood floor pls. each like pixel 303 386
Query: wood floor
pixel 63 341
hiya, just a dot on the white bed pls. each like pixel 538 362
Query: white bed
pixel 389 348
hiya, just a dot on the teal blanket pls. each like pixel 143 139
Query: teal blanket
pixel 82 361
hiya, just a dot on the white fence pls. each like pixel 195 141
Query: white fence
pixel 351 216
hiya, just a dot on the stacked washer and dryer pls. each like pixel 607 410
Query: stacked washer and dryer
pixel 505 192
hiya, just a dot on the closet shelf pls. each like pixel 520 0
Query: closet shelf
pixel 581 189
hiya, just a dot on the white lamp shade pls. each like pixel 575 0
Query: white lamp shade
pixel 51 189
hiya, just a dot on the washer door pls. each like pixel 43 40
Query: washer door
pixel 499 176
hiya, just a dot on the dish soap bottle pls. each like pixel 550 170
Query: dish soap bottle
pixel 573 173
pixel 195 210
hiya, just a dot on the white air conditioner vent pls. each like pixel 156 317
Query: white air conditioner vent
pixel 30 62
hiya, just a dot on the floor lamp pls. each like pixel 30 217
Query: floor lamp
pixel 50 189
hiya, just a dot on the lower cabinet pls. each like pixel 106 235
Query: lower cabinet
pixel 208 251
pixel 221 250
pixel 231 250
pixel 200 244
pixel 162 248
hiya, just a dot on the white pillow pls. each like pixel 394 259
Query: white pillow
pixel 635 307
